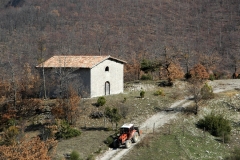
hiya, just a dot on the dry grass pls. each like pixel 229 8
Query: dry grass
pixel 185 141
pixel 89 143
pixel 145 143
pixel 231 93
pixel 137 109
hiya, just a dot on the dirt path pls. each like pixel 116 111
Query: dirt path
pixel 161 118
pixel 157 120
pixel 225 85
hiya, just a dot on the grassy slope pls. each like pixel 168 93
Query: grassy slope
pixel 139 109
pixel 190 143
pixel 88 144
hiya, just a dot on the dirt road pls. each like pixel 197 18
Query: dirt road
pixel 161 118
pixel 156 120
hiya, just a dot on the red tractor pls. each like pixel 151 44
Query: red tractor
pixel 128 135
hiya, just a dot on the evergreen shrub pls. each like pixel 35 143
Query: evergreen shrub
pixel 146 77
pixel 217 125
pixel 142 94
pixel 66 131
pixel 101 101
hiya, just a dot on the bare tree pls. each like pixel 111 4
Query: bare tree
pixel 168 60
pixel 101 35
pixel 42 49
pixel 13 82
pixel 211 59
pixel 198 77
pixel 194 88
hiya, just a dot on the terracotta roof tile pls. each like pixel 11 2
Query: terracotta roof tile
pixel 75 61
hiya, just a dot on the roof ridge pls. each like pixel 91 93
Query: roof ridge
pixel 80 56
pixel 76 61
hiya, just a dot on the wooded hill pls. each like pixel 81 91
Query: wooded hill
pixel 186 31
pixel 151 35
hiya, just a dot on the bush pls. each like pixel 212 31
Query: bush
pixel 10 135
pixel 159 93
pixel 146 77
pixel 113 115
pixel 75 155
pixel 67 131
pixel 217 125
pixel 207 92
pixel 101 101
pixel 109 141
pixel 124 99
pixel 142 94
pixel 211 77
pixel 96 115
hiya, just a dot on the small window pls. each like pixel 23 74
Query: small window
pixel 107 69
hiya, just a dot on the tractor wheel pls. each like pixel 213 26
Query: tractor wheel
pixel 115 143
pixel 128 143
pixel 135 137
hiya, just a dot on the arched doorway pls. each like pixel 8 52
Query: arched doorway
pixel 107 88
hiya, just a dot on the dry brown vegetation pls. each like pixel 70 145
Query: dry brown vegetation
pixel 196 37
pixel 32 149
pixel 190 32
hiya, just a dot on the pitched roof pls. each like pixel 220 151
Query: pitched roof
pixel 75 61
pixel 127 125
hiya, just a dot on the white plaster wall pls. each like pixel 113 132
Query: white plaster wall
pixel 99 76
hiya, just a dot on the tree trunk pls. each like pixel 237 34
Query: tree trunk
pixel 44 82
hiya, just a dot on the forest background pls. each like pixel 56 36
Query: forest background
pixel 183 31
pixel 153 36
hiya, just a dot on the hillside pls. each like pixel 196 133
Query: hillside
pixel 36 116
pixel 160 33
pixel 200 31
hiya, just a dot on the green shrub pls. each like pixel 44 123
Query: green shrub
pixel 217 125
pixel 101 101
pixel 159 93
pixel 66 131
pixel 207 92
pixel 124 99
pixel 113 115
pixel 142 94
pixel 109 141
pixel 75 155
pixel 211 77
pixel 146 77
